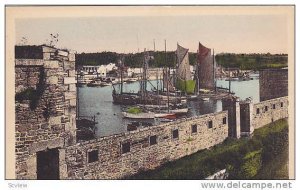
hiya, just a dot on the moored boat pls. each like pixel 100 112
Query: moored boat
pixel 105 84
pixel 94 83
pixel 131 80
pixel 165 115
pixel 178 111
pixel 149 115
pixel 205 99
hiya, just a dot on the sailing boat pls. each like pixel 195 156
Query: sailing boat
pixel 123 98
pixel 184 80
pixel 206 68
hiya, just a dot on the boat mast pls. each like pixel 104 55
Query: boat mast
pixel 214 73
pixel 157 91
pixel 121 75
pixel 144 77
pixel 229 80
pixel 197 74
pixel 199 86
pixel 157 81
pixel 167 75
pixel 77 97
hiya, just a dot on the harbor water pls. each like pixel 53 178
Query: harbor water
pixel 98 102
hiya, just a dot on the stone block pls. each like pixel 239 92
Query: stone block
pixel 62 156
pixel 71 56
pixel 52 80
pixel 72 73
pixel 51 64
pixel 63 171
pixel 43 145
pixel 20 88
pixel 46 56
pixel 73 102
pixel 31 164
pixel 49 49
pixel 29 62
pixel 69 80
pixel 72 87
pixel 70 95
pixel 55 120
pixel 63 53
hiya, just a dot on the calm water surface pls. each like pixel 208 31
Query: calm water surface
pixel 98 101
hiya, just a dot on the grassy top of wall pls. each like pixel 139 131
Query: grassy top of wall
pixel 264 156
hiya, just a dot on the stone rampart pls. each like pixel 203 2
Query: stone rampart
pixel 269 111
pixel 121 155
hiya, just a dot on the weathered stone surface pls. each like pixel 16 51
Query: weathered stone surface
pixel 264 116
pixel 52 80
pixel 40 127
pixel 69 80
pixel 70 95
pixel 113 164
pixel 72 57
pixel 273 83
pixel 52 124
pixel 232 105
pixel 31 163
pixel 43 145
pixel 55 120
pixel 246 112
pixel 29 62
pixel 51 64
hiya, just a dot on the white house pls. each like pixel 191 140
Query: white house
pixel 101 71
pixel 110 67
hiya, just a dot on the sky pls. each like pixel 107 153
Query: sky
pixel 250 33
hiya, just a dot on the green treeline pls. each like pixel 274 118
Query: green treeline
pixel 252 61
pixel 264 156
pixel 158 59
pixel 102 58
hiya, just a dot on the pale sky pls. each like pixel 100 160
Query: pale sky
pixel 222 32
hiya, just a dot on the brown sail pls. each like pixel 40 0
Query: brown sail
pixel 205 68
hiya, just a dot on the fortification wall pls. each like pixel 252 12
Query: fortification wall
pixel 107 157
pixel 273 83
pixel 45 118
pixel 268 111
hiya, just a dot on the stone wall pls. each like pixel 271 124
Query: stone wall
pixel 269 111
pixel 44 116
pixel 273 83
pixel 246 119
pixel 103 158
pixel 232 105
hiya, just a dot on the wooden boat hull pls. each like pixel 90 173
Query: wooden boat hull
pixel 205 99
pixel 139 115
pixel 178 111
pixel 165 115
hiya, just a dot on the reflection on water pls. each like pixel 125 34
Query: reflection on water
pixel 244 89
pixel 98 101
